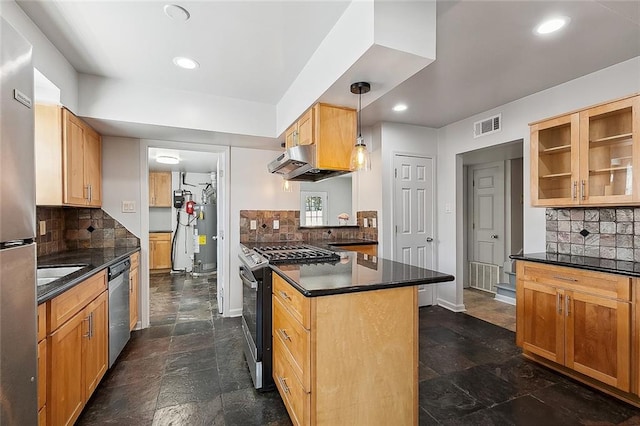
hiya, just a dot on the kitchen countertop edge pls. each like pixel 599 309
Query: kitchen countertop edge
pixel 611 266
pixel 62 285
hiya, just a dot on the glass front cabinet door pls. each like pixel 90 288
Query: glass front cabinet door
pixel 590 157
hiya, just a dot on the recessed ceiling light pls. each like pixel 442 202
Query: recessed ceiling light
pixel 186 63
pixel 177 13
pixel 551 25
pixel 400 107
pixel 167 159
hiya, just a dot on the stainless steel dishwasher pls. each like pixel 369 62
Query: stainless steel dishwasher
pixel 119 332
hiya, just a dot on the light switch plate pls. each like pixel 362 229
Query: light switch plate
pixel 128 207
pixel 276 224
pixel 43 227
pixel 253 225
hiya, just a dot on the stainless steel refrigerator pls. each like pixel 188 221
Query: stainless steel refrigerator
pixel 18 349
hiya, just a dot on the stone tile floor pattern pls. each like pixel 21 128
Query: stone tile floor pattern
pixel 188 368
pixel 483 305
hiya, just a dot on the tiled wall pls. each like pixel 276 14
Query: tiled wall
pixel 609 233
pixel 72 228
pixel 290 230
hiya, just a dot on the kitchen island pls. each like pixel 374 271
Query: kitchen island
pixel 345 339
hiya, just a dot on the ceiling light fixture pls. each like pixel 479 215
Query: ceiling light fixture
pixel 359 154
pixel 551 25
pixel 186 63
pixel 400 108
pixel 167 159
pixel 177 13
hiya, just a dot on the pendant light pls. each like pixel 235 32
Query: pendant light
pixel 359 154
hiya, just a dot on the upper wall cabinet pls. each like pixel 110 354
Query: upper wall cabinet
pixel 68 159
pixel 332 129
pixel 160 189
pixel 588 157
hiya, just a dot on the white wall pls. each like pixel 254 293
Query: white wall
pixel 400 139
pixel 121 180
pixel 46 57
pixel 252 187
pixel 613 82
pixel 339 197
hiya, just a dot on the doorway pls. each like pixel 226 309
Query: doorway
pixel 493 230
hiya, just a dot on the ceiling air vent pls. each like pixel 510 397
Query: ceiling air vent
pixel 487 126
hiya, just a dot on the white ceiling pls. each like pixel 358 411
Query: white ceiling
pixel 487 54
pixel 190 161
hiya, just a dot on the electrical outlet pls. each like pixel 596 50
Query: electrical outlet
pixel 374 222
pixel 276 224
pixel 43 227
pixel 253 225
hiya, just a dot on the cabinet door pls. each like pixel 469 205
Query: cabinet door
pixel 75 191
pixel 290 136
pixel 66 390
pixel 610 153
pixel 133 297
pixel 542 321
pixel 555 162
pixel 334 136
pixel 162 189
pixel 598 338
pixel 96 344
pixel 305 128
pixel 93 167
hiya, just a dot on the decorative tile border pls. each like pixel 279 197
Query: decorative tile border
pixel 608 233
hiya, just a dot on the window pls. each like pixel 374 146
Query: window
pixel 313 208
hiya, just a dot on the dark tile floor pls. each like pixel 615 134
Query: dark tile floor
pixel 188 369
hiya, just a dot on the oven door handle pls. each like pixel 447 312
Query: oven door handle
pixel 252 284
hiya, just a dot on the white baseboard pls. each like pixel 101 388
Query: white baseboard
pixel 233 313
pixel 505 299
pixel 450 306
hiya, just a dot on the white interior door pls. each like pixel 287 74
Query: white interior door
pixel 487 222
pixel 413 212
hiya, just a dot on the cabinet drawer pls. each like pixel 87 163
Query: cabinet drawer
pixel 597 283
pixel 42 321
pixel 160 236
pixel 292 299
pixel 297 401
pixel 295 340
pixel 65 306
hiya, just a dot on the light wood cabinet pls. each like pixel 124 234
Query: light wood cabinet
pixel 160 189
pixel 134 279
pixel 42 363
pixel 331 129
pixel 77 346
pixel 337 360
pixel 588 157
pixel 159 250
pixel 578 319
pixel 68 159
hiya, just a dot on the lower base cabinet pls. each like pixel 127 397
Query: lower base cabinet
pixel 78 351
pixel 346 359
pixel 580 322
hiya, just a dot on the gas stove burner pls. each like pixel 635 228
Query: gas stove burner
pixel 296 253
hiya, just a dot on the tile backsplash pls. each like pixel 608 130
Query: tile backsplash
pixel 70 228
pixel 290 227
pixel 608 233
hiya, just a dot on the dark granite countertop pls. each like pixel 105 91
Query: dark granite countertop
pixel 583 262
pixel 93 260
pixel 338 243
pixel 355 272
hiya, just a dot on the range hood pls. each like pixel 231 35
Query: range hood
pixel 299 164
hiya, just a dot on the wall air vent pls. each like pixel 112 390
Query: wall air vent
pixel 487 126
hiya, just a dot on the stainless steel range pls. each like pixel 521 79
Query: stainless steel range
pixel 256 299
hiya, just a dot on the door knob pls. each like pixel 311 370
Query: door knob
pixel 494 237
pixel 429 239
pixel 214 237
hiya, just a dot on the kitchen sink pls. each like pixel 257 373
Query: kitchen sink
pixel 47 275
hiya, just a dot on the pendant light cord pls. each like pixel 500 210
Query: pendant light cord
pixel 359 111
